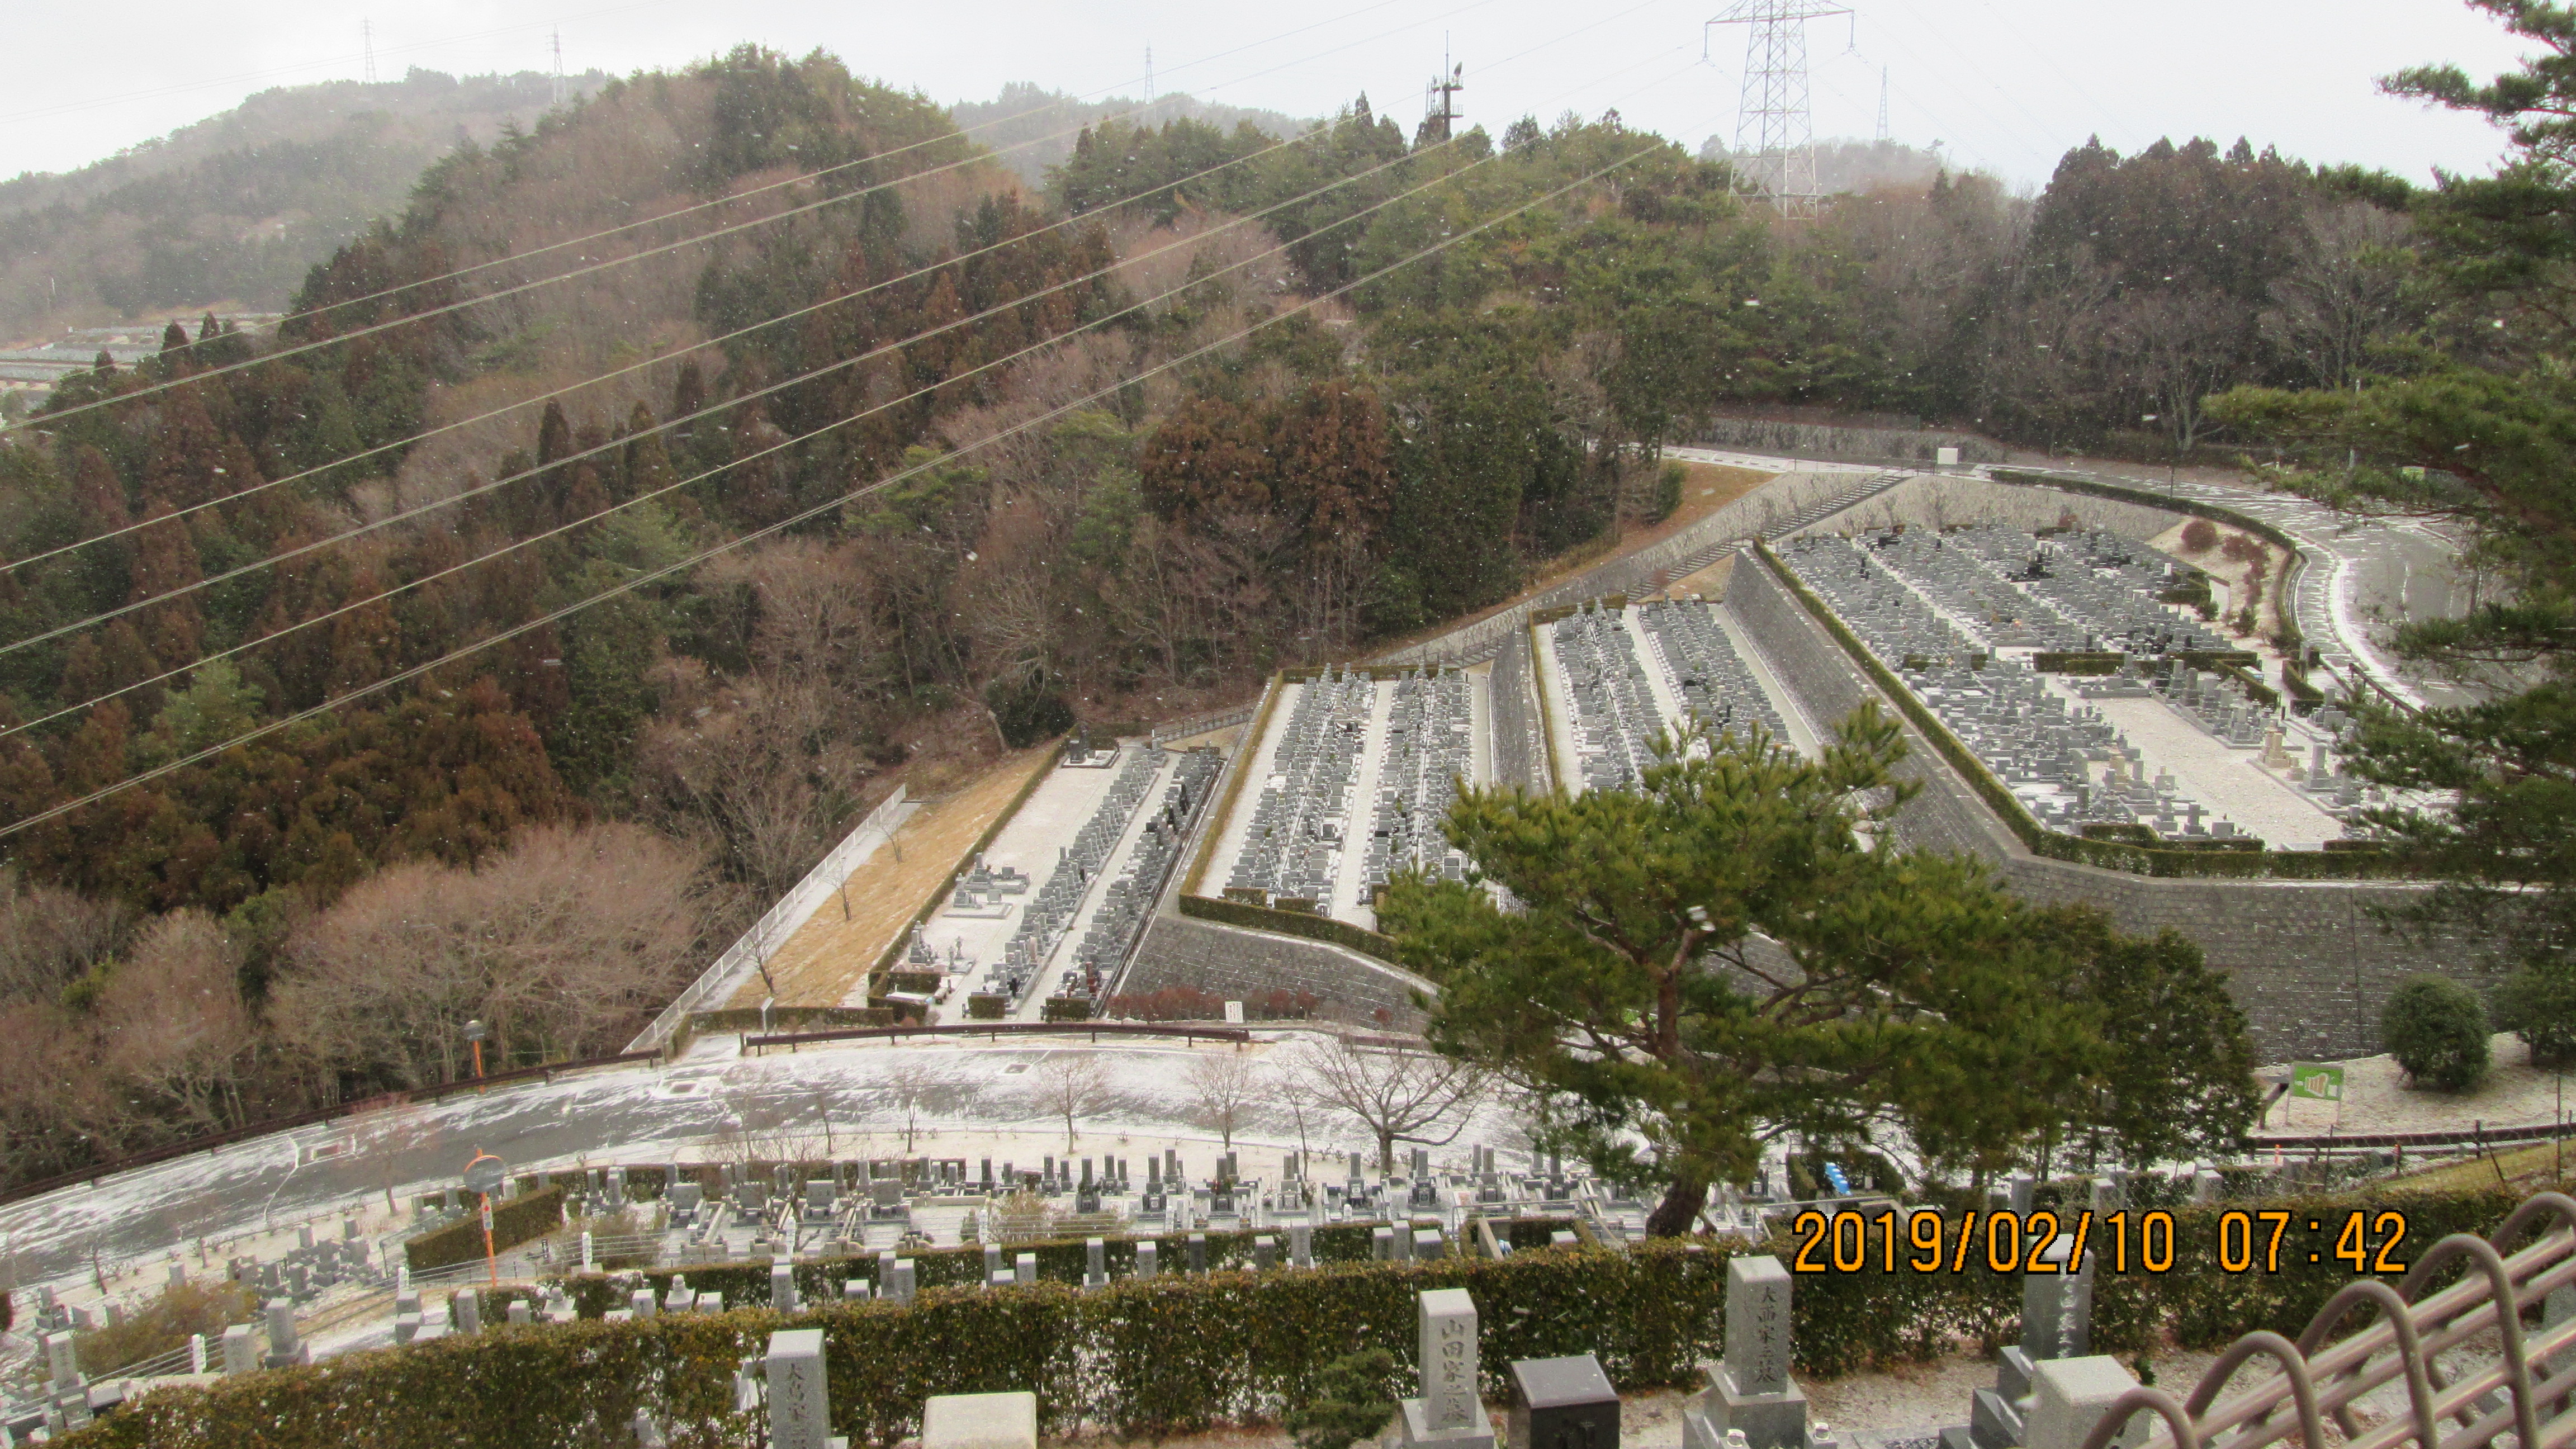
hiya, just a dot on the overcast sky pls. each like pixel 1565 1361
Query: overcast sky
pixel 2004 84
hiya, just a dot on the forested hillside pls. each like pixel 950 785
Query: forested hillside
pixel 935 462
pixel 234 210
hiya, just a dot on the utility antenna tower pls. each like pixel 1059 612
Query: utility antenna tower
pixel 367 37
pixel 1149 75
pixel 1440 99
pixel 1775 132
pixel 559 81
pixel 1883 137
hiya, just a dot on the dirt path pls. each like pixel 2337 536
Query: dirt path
pixel 827 960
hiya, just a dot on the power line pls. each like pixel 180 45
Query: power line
pixel 614 373
pixel 881 351
pixel 558 615
pixel 426 283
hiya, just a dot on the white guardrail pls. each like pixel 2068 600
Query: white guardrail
pixel 777 923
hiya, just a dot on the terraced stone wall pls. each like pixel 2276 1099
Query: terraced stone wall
pixel 2306 959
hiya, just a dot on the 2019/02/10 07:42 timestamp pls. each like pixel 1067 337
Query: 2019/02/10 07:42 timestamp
pixel 2239 1240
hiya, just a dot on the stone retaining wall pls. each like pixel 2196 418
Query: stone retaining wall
pixel 1231 962
pixel 2304 958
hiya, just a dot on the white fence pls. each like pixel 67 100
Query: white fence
pixel 777 923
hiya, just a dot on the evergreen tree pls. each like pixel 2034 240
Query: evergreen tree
pixel 1722 957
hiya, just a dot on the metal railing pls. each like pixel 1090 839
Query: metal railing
pixel 1095 1030
pixel 777 923
pixel 2463 1353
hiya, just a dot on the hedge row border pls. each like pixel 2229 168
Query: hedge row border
pixel 1186 1352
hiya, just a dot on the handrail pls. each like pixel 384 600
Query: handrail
pixel 996 1030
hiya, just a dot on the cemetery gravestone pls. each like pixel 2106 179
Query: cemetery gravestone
pixel 1147 1255
pixel 980 1421
pixel 1749 1390
pixel 799 1415
pixel 283 1346
pixel 2069 1397
pixel 1448 1413
pixel 782 1288
pixel 1095 1263
pixel 241 1349
pixel 1563 1403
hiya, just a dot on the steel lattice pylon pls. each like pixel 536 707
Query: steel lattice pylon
pixel 1775 139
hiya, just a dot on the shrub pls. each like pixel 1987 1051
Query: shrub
pixel 986 1006
pixel 2437 1030
pixel 514 1222
pixel 166 1323
pixel 2199 536
pixel 1351 1402
pixel 1668 491
pixel 2538 1004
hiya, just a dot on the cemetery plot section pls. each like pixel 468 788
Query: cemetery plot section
pixel 1052 907
pixel 1965 618
pixel 1348 785
pixel 1612 678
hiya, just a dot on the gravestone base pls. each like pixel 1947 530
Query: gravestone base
pixel 1410 1431
pixel 1769 1421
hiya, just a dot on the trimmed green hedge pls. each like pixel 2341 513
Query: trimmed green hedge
pixel 514 1222
pixel 2077 662
pixel 1181 1353
pixel 1290 923
pixel 2164 861
pixel 1235 771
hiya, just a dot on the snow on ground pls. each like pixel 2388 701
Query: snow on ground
pixel 2377 1097
pixel 978 1099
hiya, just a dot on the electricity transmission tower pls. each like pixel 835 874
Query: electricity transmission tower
pixel 367 36
pixel 1775 135
pixel 559 80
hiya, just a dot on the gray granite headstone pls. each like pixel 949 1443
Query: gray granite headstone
pixel 1148 1255
pixel 782 1287
pixel 799 1415
pixel 1449 1412
pixel 1757 1325
pixel 2057 1307
pixel 241 1349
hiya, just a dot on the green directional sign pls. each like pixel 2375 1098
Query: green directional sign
pixel 2321 1083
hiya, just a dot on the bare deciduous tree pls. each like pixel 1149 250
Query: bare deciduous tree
pixel 563 947
pixel 1072 1085
pixel 1222 1087
pixel 1398 1095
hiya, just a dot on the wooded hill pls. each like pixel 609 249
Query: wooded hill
pixel 232 211
pixel 1100 498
